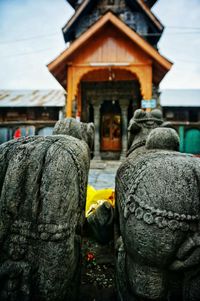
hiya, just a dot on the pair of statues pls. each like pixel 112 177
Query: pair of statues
pixel 43 184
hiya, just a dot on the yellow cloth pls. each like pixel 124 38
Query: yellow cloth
pixel 97 197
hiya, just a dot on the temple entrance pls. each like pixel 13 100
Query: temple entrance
pixel 110 105
pixel 110 126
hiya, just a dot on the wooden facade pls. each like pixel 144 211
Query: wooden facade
pixel 109 67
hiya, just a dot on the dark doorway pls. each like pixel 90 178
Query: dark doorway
pixel 110 126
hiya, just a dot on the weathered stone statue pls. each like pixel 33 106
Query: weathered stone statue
pixel 43 188
pixel 158 207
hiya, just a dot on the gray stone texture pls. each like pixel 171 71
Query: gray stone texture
pixel 43 189
pixel 157 200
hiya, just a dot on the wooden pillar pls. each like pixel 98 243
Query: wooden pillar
pixel 144 74
pixel 69 92
pixel 72 89
pixel 79 102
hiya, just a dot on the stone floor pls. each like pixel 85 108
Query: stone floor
pixel 102 174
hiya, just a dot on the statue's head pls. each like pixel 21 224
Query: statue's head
pixel 72 127
pixel 142 123
pixel 163 138
pixel 145 119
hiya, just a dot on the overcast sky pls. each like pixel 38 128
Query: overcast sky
pixel 30 37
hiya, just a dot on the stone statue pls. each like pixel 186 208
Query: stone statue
pixel 158 211
pixel 43 190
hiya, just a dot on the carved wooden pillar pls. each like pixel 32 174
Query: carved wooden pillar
pixel 124 110
pixel 70 94
pixel 96 106
pixel 145 78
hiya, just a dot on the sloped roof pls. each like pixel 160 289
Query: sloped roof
pixel 32 98
pixel 150 3
pixel 72 2
pixel 87 3
pixel 59 64
pixel 180 98
pixel 149 13
pixel 75 17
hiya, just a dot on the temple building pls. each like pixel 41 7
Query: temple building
pixel 110 67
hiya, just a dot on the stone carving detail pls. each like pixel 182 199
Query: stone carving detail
pixel 157 199
pixel 43 188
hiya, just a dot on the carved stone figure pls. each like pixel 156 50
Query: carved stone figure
pixel 43 189
pixel 158 208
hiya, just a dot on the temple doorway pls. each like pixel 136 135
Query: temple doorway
pixel 110 126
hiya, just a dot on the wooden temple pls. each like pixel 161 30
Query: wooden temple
pixel 110 65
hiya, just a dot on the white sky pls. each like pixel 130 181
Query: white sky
pixel 30 37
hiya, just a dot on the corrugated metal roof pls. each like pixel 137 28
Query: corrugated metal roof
pixel 56 98
pixel 32 98
pixel 180 98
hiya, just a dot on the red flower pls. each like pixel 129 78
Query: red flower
pixel 90 256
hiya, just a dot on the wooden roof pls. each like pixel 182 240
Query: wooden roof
pixel 150 3
pixel 149 14
pixel 75 17
pixel 73 3
pixel 58 67
pixel 142 4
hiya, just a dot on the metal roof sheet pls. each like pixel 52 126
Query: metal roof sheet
pixel 32 98
pixel 180 98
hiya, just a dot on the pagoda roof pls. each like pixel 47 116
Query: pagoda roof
pixel 150 3
pixel 72 3
pixel 87 4
pixel 59 65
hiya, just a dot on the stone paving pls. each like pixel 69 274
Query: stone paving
pixel 102 174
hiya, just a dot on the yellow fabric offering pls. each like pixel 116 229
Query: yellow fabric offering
pixel 97 197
